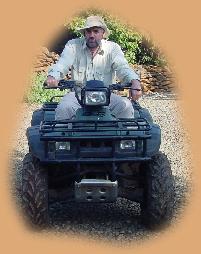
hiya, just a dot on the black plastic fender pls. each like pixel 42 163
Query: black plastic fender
pixel 40 115
pixel 141 112
pixel 153 144
pixel 37 117
pixel 36 146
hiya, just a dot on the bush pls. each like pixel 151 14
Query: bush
pixel 138 49
pixel 36 93
pixel 149 54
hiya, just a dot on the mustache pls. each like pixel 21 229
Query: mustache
pixel 92 42
pixel 91 39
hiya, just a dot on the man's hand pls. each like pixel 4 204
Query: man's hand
pixel 135 94
pixel 51 81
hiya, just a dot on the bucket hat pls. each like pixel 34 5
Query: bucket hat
pixel 93 21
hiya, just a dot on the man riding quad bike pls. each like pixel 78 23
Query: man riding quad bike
pixel 96 157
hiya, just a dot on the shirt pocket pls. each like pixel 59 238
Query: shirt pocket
pixel 102 70
pixel 79 73
pixel 99 75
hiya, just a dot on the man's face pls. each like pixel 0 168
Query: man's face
pixel 93 36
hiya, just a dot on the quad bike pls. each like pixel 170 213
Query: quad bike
pixel 95 157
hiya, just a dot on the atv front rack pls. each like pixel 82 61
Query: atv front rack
pixel 114 129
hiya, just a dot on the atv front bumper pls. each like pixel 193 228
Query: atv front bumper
pixel 94 141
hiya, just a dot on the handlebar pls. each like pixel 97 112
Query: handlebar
pixel 63 84
pixel 70 84
pixel 121 87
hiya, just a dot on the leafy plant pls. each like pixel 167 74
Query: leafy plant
pixel 149 53
pixel 36 93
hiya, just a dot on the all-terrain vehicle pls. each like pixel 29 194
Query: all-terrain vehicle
pixel 95 157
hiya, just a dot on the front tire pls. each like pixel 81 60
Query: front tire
pixel 35 191
pixel 158 199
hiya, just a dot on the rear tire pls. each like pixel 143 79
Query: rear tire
pixel 158 200
pixel 35 191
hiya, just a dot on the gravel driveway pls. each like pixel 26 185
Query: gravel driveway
pixel 118 222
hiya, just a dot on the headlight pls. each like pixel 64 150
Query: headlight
pixel 127 144
pixel 62 146
pixel 95 98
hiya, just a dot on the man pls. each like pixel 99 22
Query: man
pixel 94 58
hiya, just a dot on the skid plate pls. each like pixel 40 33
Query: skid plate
pixel 96 190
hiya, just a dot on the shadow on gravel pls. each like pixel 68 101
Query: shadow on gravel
pixel 182 194
pixel 120 220
pixel 114 222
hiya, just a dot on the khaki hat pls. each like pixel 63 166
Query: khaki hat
pixel 95 21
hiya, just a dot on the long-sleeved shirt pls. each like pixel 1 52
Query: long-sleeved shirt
pixel 108 62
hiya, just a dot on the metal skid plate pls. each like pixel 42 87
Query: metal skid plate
pixel 96 190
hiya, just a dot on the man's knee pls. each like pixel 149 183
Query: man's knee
pixel 63 112
pixel 66 109
pixel 121 107
pixel 127 109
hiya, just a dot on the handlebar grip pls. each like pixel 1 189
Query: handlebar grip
pixel 136 89
pixel 120 87
pixel 63 84
pixel 127 85
pixel 68 84
pixel 46 86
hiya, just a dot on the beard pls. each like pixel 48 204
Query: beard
pixel 92 43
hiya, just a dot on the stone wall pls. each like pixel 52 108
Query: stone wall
pixel 153 78
pixel 44 59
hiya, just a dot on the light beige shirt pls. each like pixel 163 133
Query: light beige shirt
pixel 108 63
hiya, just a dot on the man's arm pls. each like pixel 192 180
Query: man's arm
pixel 125 72
pixel 58 71
pixel 136 90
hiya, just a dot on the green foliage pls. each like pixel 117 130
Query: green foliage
pixel 36 93
pixel 136 47
pixel 149 53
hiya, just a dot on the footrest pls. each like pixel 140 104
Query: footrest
pixel 96 190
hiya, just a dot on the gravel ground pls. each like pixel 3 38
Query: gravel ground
pixel 118 223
